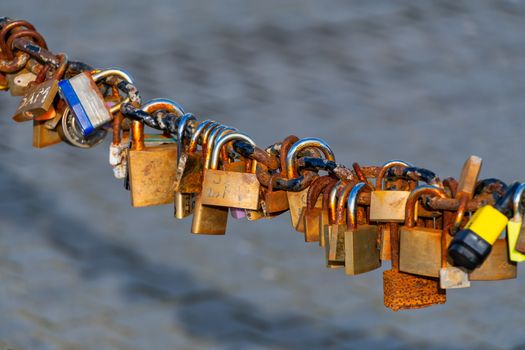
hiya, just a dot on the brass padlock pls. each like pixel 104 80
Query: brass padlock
pixel 208 219
pixel 404 291
pixel 325 221
pixel 297 200
pixel 151 170
pixel 388 206
pixel 420 247
pixel 47 134
pixel 273 201
pixel 226 188
pixel 334 232
pixel 360 241
pixel 190 168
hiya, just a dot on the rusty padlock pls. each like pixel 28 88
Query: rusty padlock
pixel 314 208
pixel 184 202
pixel 334 232
pixel 404 291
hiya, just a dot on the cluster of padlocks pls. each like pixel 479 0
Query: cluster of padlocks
pixel 437 234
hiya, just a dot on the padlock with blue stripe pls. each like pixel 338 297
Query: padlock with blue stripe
pixel 85 100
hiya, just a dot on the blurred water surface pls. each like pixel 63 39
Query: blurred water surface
pixel 430 82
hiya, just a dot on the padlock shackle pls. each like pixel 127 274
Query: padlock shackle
pixel 332 201
pixel 309 142
pixel 285 147
pixel 224 139
pixel 463 198
pixel 160 104
pixel 516 201
pixel 210 144
pixel 390 164
pixel 351 204
pixel 205 125
pixel 113 71
pixel 183 123
pixel 410 209
pixel 342 202
pixel 137 135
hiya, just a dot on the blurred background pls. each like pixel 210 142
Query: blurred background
pixel 431 82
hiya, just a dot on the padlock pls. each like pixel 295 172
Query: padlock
pixel 84 98
pixel 18 83
pixel 388 206
pixel 385 250
pixel 404 291
pixel 71 133
pixel 226 188
pixel 40 95
pixel 420 247
pixel 184 202
pixel 334 232
pixel 151 170
pixel 325 221
pixel 361 248
pixel 515 225
pixel 472 245
pixel 45 135
pixel 118 149
pixel 208 219
pixel 297 200
pixel 314 208
pixel 273 201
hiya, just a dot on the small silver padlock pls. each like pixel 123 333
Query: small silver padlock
pixel 84 98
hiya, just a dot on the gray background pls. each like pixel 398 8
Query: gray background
pixel 429 82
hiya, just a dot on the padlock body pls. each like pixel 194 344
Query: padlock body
pixel 312 224
pixel 324 227
pixel 388 206
pixel 275 201
pixel 296 203
pixel 361 250
pixel 385 244
pixel 497 266
pixel 209 220
pixel 85 101
pixel 420 251
pixel 184 204
pixel 36 101
pixel 403 291
pixel 151 175
pixel 18 82
pixel 190 172
pixel 230 189
pixel 335 245
pixel 513 233
pixel 452 277
pixel 43 136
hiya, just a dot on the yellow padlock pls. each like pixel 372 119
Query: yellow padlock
pixel 514 226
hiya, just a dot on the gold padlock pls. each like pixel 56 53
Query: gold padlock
pixel 151 170
pixel 226 188
pixel 497 266
pixel 360 241
pixel 191 163
pixel 297 200
pixel 47 134
pixel 208 219
pixel 325 220
pixel 273 201
pixel 334 233
pixel 420 250
pixel 388 206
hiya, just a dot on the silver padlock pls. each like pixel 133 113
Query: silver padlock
pixel 84 98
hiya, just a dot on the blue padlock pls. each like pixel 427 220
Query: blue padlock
pixel 85 100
